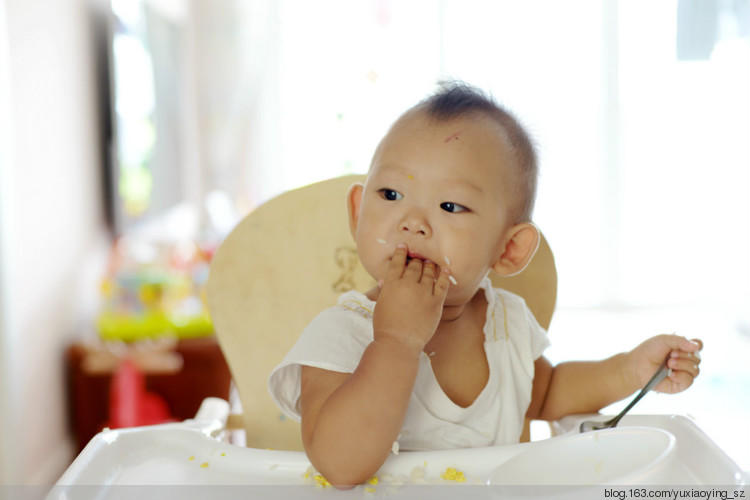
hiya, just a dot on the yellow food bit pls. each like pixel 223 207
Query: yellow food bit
pixel 411 177
pixel 204 464
pixel 373 480
pixel 452 474
pixel 223 454
pixel 192 458
pixel 321 482
pixel 369 489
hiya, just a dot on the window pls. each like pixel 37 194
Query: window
pixel 644 157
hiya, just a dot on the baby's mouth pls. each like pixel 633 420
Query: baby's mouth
pixel 424 259
pixel 413 255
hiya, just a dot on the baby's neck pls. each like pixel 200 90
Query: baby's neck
pixel 454 313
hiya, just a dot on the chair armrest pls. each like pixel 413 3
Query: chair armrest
pixel 235 422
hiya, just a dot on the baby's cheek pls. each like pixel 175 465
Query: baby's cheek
pixel 375 263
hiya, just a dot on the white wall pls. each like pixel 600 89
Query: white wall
pixel 6 368
pixel 53 237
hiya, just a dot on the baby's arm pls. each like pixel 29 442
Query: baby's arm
pixel 350 421
pixel 588 386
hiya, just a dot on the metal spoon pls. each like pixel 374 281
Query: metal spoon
pixel 661 374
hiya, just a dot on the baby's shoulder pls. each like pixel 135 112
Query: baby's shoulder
pixel 350 318
pixel 508 300
pixel 516 315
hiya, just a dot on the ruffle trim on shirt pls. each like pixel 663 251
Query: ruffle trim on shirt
pixel 495 301
pixel 505 317
pixel 352 302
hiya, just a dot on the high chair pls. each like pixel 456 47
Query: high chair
pixel 282 265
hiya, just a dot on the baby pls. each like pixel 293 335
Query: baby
pixel 434 357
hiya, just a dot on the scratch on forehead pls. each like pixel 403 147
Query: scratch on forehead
pixel 452 137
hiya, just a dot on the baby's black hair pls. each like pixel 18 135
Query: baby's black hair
pixel 456 98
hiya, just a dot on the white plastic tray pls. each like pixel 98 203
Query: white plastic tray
pixel 185 454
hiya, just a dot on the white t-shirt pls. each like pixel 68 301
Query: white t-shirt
pixel 336 339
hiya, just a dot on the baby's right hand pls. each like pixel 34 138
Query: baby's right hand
pixel 410 303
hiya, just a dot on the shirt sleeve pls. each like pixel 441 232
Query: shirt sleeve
pixel 528 337
pixel 538 335
pixel 335 340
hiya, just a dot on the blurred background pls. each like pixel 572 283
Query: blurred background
pixel 135 133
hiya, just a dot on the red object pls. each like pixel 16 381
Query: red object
pixel 130 404
pixel 204 373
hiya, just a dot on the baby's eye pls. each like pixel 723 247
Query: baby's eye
pixel 390 194
pixel 451 207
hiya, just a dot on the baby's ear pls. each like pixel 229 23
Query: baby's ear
pixel 522 241
pixel 353 204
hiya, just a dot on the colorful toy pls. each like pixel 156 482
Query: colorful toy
pixel 155 290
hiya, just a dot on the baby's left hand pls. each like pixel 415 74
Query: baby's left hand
pixel 684 360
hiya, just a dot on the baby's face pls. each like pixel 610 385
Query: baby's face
pixel 440 188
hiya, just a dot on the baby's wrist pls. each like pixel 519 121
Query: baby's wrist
pixel 399 345
pixel 629 371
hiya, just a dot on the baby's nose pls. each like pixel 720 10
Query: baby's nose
pixel 416 225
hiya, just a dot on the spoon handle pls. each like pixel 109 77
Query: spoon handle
pixel 660 375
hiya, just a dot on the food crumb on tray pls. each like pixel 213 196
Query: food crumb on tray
pixel 320 481
pixel 418 475
pixel 453 474
pixel 316 478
